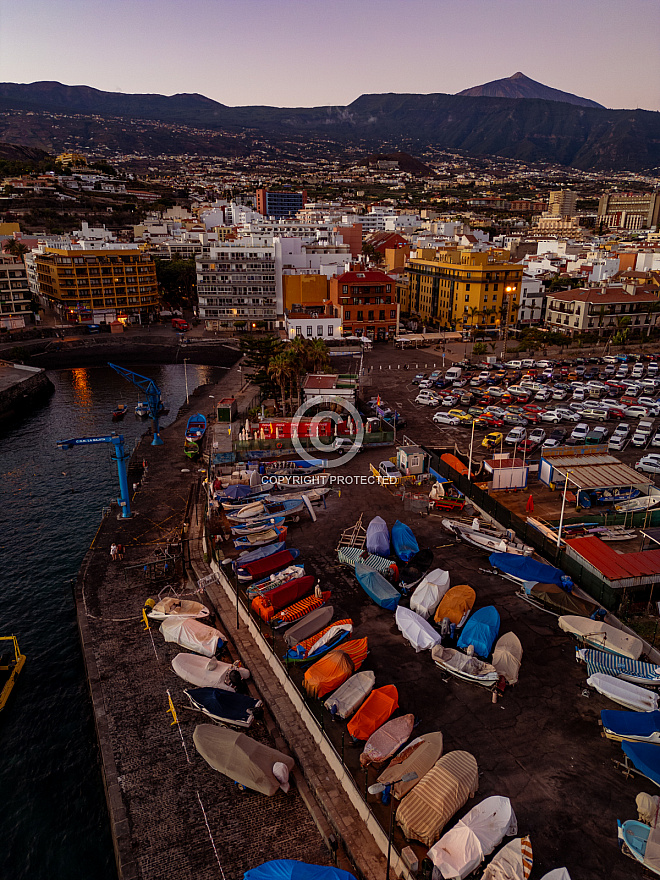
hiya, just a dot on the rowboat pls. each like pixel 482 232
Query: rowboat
pixel 258 539
pixel 631 726
pixel 202 672
pixel 11 663
pixel 119 412
pixel 628 695
pixel 319 644
pixel 602 636
pixel 180 608
pixel 491 542
pixel 376 587
pixel 351 694
pixel 224 706
pixel 265 509
pixel 386 740
pixel 643 502
pixel 195 430
pixel 260 524
pixel 641 843
pixel 461 666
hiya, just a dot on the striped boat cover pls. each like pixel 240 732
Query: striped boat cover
pixel 299 609
pixel 424 812
pixel 352 555
pixel 357 650
pixel 527 857
pixel 614 664
pixel 312 640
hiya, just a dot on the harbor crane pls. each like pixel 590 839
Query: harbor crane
pixel 119 455
pixel 151 392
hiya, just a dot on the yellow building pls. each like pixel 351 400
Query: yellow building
pixel 66 159
pixel 460 288
pixel 301 289
pixel 100 285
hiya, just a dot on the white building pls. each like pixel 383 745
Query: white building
pixel 15 305
pixel 312 325
pixel 532 301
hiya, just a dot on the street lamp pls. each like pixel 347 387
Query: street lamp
pixel 563 505
pixel 386 790
pixel 509 289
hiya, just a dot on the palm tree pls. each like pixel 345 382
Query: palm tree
pixel 16 248
pixel 318 354
pixel 280 371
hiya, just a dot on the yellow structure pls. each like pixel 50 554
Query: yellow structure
pixel 301 289
pixel 66 159
pixel 9 228
pixel 460 288
pixel 108 283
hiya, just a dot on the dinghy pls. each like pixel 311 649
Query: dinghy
pixel 335 668
pixel 480 631
pixel 416 631
pixel 276 535
pixel 201 672
pixel 374 712
pixel 507 657
pixel 376 587
pixel 180 608
pixel 267 605
pixel 642 502
pixel 315 646
pixel 308 625
pixel 234 505
pixel 641 843
pixel 645 674
pixel 555 600
pixel 602 636
pixel 492 542
pixel 456 605
pixel 418 757
pixel 265 509
pixel 622 692
pixel 404 542
pixel 643 759
pixel 462 666
pixel 513 862
pixel 631 726
pixel 268 565
pixel 430 591
pixel 193 635
pixel 224 706
pixel 351 694
pixel 258 524
pixel 299 609
pixel 521 570
pixel 257 553
pixel 378 537
pixel 249 763
pixel 290 573
pixel 387 740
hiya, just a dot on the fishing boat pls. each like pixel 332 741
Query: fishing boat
pixel 616 533
pixel 258 539
pixel 299 610
pixel 141 409
pixel 227 707
pixel 259 525
pixel 173 607
pixel 602 636
pixel 645 674
pixel 404 542
pixel 195 430
pixel 466 668
pixel 316 646
pixel 193 635
pixel 11 663
pixel 643 502
pixel 376 587
pixel 202 672
pixel 641 843
pixel 119 412
pixel 631 726
pixel 628 695
pixel 491 542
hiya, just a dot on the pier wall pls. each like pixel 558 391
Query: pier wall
pixel 21 386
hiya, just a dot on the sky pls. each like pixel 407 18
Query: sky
pixel 293 53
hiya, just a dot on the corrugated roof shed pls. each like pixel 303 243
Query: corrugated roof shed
pixel 603 476
pixel 616 566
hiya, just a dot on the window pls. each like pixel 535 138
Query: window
pixel 381 315
pixel 467 286
pixel 330 330
pixel 319 329
pixel 388 288
pixel 486 287
pixel 467 299
pixel 347 315
pixel 309 329
pixel 392 313
pixel 344 288
pixel 298 331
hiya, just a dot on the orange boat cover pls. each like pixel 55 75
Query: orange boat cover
pixel 455 603
pixel 374 712
pixel 335 668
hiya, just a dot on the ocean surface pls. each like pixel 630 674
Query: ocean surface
pixel 54 818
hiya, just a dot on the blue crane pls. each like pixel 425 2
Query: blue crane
pixel 151 392
pixel 120 456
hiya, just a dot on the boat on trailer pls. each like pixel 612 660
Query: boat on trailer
pixel 643 502
pixel 641 843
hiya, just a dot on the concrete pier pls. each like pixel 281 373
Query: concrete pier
pixel 21 387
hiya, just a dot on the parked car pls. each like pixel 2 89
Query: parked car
pixel 580 432
pixel 537 436
pixel 492 440
pixel 596 436
pixel 516 435
pixel 492 421
pixel 444 418
pixel 551 443
pixel 656 439
pixel 511 418
pixel 387 469
pixel 597 413
pixel 427 398
pixel 636 412
pixel 552 416
pixel 649 464
pixel 559 434
pixel 418 378
pixel 567 415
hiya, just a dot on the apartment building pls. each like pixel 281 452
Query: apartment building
pixel 458 288
pixel 280 204
pixel 600 310
pixel 239 286
pixel 562 203
pixel 366 301
pixel 98 284
pixel 15 298
pixel 631 210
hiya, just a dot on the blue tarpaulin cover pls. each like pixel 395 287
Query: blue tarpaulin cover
pixel 622 723
pixel 481 631
pixel 526 569
pixel 224 705
pixel 238 491
pixel 259 553
pixel 378 537
pixel 289 869
pixel 375 586
pixel 404 542
pixel 645 757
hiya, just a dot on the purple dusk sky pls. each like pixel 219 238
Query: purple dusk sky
pixel 295 53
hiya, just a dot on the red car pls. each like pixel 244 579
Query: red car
pixel 533 407
pixel 492 421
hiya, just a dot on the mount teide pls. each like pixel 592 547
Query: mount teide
pixel 530 129
pixel 521 86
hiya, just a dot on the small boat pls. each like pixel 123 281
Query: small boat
pixel 417 631
pixel 259 568
pixel 429 592
pixel 233 505
pixel 350 556
pixel 195 430
pixel 141 409
pixel 313 622
pixel 492 542
pixel 634 671
pixel 267 605
pixel 387 740
pixel 641 843
pixel 480 631
pixel 419 756
pixel 641 759
pixel 376 587
pixel 316 646
pixel 404 542
pixel 632 697
pixel 290 869
pixel 349 697
pixel 11 663
pixel 258 526
pixel 642 502
pixel 513 862
pixel 202 672
pixel 265 509
pixel 610 496
pixel 456 605
pixel 261 588
pixel 193 635
pixel 374 712
pixel 276 535
pixel 248 762
pixel 257 553
pixel 467 668
pixel 602 636
pixel 299 609
pixel 224 706
pixel 617 533
pixel 507 657
pixel 631 726
pixel 119 412
pixel 335 668
pixel 522 569
pixel 180 608
pixel 378 537
pixel 556 600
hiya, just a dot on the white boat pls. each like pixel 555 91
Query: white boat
pixel 415 630
pixel 624 693
pixel 462 666
pixel 351 694
pixel 141 410
pixel 428 594
pixel 602 636
pixel 203 672
pixel 171 607
pixel 491 542
pixel 642 502
pixel 192 634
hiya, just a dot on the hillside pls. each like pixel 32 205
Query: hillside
pixel 521 86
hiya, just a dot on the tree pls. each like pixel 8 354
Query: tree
pixel 280 371
pixel 479 348
pixel 259 352
pixel 16 248
pixel 177 279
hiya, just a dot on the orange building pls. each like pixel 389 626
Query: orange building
pixel 366 301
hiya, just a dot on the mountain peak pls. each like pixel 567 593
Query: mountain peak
pixel 521 86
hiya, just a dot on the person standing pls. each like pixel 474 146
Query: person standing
pixel 120 551
pixel 113 551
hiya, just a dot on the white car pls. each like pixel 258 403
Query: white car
pixel 551 415
pixel 544 364
pixel 580 431
pixel 426 383
pixel 543 395
pixel 636 412
pixel 387 469
pixel 551 443
pixel 443 418
pixel 656 439
pixel 516 435
pixel 568 415
pixel 650 464
pixel 538 435
pixel 621 430
pixel 427 398
pixel 559 394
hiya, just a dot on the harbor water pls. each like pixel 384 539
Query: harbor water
pixel 55 822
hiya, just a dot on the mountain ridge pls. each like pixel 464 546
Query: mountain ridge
pixel 521 87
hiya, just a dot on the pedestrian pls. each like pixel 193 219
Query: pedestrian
pixel 136 486
pixel 113 551
pixel 145 466
pixel 120 551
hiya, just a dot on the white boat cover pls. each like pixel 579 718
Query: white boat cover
pixel 456 854
pixel 171 607
pixel 416 630
pixel 647 807
pixel 418 757
pixel 330 635
pixel 203 672
pixel 464 665
pixel 602 635
pixel 428 594
pixel 623 692
pixel 424 812
pixel 652 851
pixel 557 874
pixel 352 693
pixel 507 657
pixel 512 862
pixel 192 634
